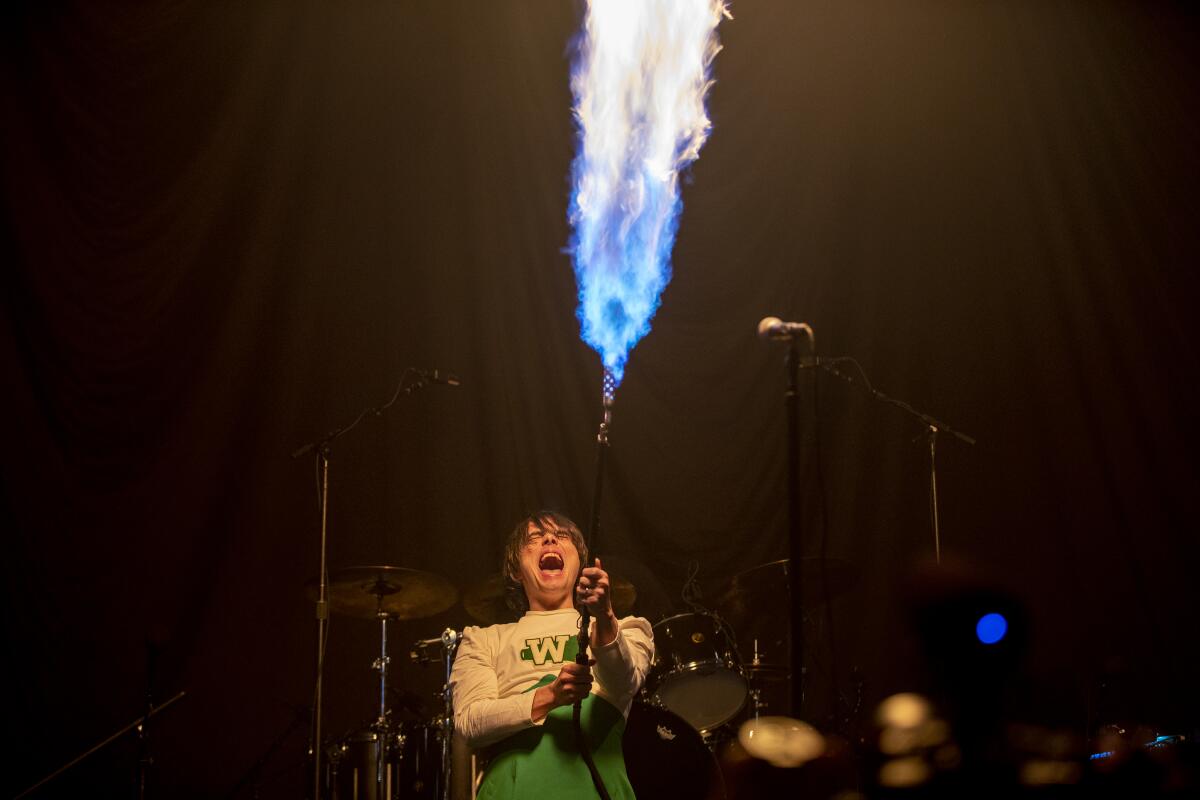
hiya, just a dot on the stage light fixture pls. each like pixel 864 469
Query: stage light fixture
pixel 991 628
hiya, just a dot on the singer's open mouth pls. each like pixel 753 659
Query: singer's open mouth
pixel 551 563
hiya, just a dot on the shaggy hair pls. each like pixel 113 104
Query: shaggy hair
pixel 537 522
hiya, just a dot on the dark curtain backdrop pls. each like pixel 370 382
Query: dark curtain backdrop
pixel 229 226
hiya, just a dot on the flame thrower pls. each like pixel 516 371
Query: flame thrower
pixel 593 529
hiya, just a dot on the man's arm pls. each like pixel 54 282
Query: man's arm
pixel 624 648
pixel 622 663
pixel 482 715
pixel 479 712
pixel 574 682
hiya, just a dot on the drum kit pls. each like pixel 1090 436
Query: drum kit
pixel 705 680
pixel 387 758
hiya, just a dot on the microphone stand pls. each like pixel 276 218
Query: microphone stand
pixel 253 776
pixel 933 427
pixel 795 533
pixel 792 332
pixel 585 616
pixel 450 641
pixel 143 730
pixel 322 448
pixel 137 723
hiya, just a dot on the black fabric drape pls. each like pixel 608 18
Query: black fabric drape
pixel 230 226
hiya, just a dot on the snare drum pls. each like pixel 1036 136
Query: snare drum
pixel 696 672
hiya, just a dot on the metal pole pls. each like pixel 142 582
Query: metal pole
pixel 450 640
pixel 322 620
pixel 383 734
pixel 609 389
pixel 933 498
pixel 795 540
pixel 137 722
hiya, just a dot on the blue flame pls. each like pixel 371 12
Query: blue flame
pixel 639 80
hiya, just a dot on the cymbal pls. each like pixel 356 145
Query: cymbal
pixel 398 592
pixel 757 605
pixel 485 600
pixel 766 671
pixel 763 590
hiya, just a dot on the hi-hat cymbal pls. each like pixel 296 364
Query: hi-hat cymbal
pixel 485 600
pixel 757 604
pixel 398 592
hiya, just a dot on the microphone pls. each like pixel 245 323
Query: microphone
pixel 420 648
pixel 775 329
pixel 434 642
pixel 439 376
pixel 419 652
pixel 448 637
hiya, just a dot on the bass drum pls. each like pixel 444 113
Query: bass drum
pixel 666 757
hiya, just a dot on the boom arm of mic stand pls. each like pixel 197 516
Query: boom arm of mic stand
pixel 422 379
pixel 140 720
pixel 933 427
pixel 830 366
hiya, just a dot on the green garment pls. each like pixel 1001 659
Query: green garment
pixel 543 763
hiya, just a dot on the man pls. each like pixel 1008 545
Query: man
pixel 514 684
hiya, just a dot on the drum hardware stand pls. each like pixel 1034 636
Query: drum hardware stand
pixel 145 761
pixel 382 725
pixel 450 640
pixel 138 724
pixel 608 391
pixel 756 661
pixel 756 693
pixel 419 653
pixel 420 379
pixel 756 699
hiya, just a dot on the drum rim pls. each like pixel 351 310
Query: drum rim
pixel 692 666
pixel 707 729
pixel 664 680
pixel 710 614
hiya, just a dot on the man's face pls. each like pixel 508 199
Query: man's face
pixel 549 567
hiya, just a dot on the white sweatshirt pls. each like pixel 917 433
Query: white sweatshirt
pixel 498 668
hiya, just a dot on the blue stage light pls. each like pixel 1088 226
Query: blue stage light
pixel 991 628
